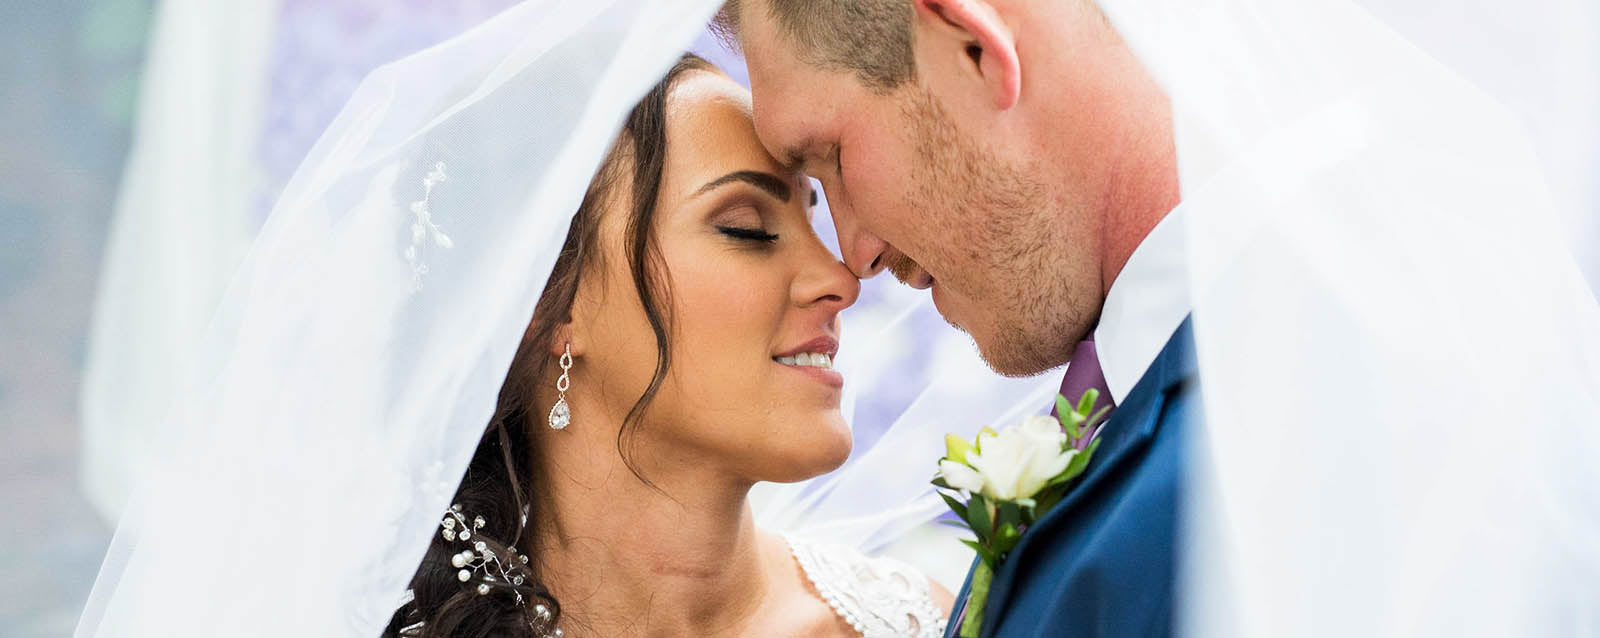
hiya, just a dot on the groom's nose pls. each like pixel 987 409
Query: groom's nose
pixel 863 251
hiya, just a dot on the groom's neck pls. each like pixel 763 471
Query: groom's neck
pixel 1106 125
pixel 1147 191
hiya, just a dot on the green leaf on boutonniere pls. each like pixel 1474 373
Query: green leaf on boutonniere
pixel 1007 513
pixel 983 552
pixel 1098 416
pixel 1067 416
pixel 957 506
pixel 1048 497
pixel 978 517
pixel 1076 466
pixel 1086 402
pixel 1087 454
pixel 1006 539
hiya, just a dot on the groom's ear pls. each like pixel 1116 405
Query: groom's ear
pixel 985 41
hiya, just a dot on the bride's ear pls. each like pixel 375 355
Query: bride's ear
pixel 564 337
pixel 987 46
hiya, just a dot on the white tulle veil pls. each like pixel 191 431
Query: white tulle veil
pixel 1400 363
pixel 353 359
pixel 358 351
pixel 1399 360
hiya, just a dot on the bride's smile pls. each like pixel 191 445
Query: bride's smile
pixel 814 358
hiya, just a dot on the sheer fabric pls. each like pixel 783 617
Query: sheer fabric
pixel 1398 356
pixel 183 222
pixel 357 353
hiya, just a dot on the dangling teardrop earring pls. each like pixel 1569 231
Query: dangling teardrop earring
pixel 561 413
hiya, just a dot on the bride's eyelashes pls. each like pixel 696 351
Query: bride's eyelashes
pixel 748 234
pixel 746 221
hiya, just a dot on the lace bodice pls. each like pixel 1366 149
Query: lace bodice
pixel 880 597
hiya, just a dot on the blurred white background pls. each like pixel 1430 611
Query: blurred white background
pixel 246 86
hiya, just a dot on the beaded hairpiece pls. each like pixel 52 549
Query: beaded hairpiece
pixel 481 559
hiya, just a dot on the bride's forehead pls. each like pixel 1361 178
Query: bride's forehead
pixel 710 130
pixel 701 89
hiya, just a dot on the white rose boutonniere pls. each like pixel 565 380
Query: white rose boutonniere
pixel 1010 478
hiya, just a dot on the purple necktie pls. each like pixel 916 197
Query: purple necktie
pixel 1083 373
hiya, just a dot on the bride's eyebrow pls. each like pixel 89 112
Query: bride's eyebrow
pixel 773 184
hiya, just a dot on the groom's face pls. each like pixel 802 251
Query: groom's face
pixel 942 204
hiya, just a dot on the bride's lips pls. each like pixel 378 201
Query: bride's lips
pixel 824 345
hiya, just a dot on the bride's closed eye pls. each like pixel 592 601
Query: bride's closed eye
pixel 745 215
pixel 745 221
pixel 748 234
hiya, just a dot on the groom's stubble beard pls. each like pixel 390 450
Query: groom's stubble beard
pixel 990 240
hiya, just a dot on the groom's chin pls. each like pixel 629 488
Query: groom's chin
pixel 1017 369
pixel 1008 350
pixel 1020 356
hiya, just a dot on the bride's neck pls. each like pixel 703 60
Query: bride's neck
pixel 624 558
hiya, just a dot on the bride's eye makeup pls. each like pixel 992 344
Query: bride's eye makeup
pixel 749 234
pixel 744 215
pixel 745 220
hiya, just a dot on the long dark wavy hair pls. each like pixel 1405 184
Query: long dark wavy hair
pixel 505 468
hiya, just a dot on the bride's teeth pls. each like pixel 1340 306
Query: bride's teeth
pixel 811 359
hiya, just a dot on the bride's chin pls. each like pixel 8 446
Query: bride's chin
pixel 824 452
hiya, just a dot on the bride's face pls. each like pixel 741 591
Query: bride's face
pixel 750 287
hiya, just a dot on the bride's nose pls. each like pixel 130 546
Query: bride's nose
pixel 825 281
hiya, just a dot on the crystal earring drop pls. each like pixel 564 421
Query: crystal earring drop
pixel 561 413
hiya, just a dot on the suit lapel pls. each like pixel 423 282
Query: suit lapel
pixel 1129 429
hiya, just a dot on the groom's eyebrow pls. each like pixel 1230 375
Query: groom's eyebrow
pixel 773 184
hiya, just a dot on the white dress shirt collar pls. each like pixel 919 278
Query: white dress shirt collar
pixel 1147 302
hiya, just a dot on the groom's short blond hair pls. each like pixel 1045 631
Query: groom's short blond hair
pixel 870 38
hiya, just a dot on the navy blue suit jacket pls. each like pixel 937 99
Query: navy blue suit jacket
pixel 1103 562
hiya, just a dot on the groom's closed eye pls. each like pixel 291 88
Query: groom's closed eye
pixel 804 157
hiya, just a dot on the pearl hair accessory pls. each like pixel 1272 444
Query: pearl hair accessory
pixel 480 559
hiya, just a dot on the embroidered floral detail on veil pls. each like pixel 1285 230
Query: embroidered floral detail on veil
pixel 879 597
pixel 423 228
